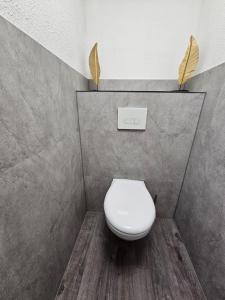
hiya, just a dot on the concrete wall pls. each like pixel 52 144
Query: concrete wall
pixel 201 209
pixel 134 85
pixel 158 155
pixel 41 184
pixel 57 25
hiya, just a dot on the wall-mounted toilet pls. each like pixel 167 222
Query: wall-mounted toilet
pixel 129 209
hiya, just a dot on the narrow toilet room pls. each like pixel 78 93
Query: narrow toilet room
pixel 112 148
pixel 129 246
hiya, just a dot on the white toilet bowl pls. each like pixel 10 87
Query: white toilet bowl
pixel 129 209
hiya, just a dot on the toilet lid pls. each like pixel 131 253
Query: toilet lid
pixel 129 206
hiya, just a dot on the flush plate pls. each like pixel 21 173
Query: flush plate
pixel 132 118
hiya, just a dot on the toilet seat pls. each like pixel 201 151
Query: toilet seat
pixel 129 208
pixel 126 236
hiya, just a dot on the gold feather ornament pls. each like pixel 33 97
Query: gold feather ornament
pixel 94 64
pixel 189 62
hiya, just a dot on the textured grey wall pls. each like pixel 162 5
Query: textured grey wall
pixel 201 209
pixel 157 155
pixel 134 85
pixel 41 186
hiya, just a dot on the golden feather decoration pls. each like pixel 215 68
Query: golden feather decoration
pixel 189 62
pixel 94 64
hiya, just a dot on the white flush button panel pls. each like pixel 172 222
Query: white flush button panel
pixel 132 118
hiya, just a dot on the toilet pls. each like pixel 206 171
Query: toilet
pixel 129 209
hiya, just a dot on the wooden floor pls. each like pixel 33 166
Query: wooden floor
pixel 104 267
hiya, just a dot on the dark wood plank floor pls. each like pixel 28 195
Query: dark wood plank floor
pixel 104 267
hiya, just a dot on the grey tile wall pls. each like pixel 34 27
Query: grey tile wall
pixel 201 209
pixel 134 85
pixel 41 185
pixel 158 155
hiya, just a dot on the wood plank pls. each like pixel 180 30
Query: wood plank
pixel 159 265
pixel 189 285
pixel 74 271
pixel 103 266
pixel 115 269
